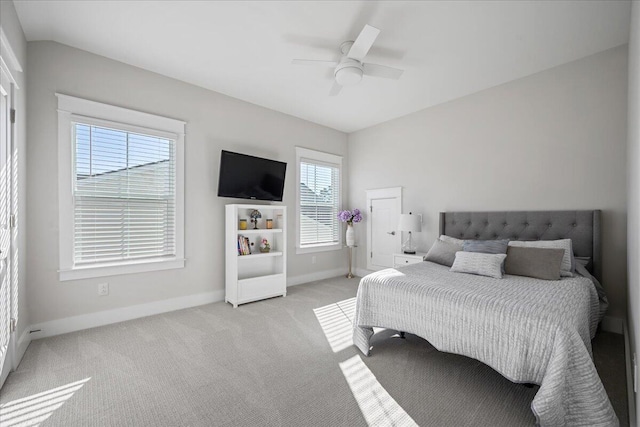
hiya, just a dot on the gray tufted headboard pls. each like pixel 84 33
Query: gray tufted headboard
pixel 582 227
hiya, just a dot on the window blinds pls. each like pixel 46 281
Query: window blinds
pixel 124 195
pixel 319 203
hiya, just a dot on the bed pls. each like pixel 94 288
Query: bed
pixel 529 330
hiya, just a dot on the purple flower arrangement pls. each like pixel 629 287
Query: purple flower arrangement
pixel 350 216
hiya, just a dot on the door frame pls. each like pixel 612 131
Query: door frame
pixel 8 62
pixel 382 193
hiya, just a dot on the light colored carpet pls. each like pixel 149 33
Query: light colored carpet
pixel 270 363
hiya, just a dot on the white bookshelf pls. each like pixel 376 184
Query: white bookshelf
pixel 258 275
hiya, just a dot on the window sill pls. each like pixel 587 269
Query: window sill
pixel 318 248
pixel 114 269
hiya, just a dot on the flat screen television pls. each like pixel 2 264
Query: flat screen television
pixel 248 177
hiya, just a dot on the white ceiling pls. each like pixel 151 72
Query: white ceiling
pixel 244 49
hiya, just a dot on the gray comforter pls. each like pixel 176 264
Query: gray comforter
pixel 529 330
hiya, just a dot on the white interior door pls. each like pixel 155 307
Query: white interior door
pixel 383 236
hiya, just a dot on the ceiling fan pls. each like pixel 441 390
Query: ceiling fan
pixel 350 69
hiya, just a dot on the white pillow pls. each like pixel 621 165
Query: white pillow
pixel 452 240
pixel 566 268
pixel 479 263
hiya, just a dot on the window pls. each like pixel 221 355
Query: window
pixel 318 200
pixel 123 211
pixel 124 195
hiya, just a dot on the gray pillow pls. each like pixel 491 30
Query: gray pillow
pixel 567 267
pixel 479 263
pixel 540 263
pixel 443 252
pixel 486 246
pixel 450 239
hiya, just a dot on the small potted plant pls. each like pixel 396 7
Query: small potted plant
pixel 265 247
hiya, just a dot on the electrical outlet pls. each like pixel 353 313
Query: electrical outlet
pixel 103 289
pixel 313 259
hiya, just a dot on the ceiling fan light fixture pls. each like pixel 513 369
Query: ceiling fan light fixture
pixel 351 68
pixel 348 76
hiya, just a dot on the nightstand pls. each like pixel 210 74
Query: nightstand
pixel 405 259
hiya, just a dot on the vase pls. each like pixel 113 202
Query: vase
pixel 350 236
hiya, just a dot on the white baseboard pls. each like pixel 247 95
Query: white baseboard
pixel 92 320
pixel 312 277
pixel 612 324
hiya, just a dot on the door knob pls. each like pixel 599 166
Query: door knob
pixel 393 233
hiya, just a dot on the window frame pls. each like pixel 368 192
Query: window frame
pixel 321 158
pixel 72 110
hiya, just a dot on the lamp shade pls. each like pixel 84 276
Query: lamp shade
pixel 409 222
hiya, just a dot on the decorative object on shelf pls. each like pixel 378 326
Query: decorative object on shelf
pixel 255 215
pixel 412 224
pixel 269 224
pixel 243 224
pixel 350 217
pixel 265 247
pixel 279 222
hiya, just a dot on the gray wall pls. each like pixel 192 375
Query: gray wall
pixel 215 122
pixel 633 187
pixel 12 29
pixel 553 140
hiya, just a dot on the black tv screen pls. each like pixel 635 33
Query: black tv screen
pixel 248 177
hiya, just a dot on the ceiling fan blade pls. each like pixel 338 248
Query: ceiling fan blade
pixel 314 62
pixel 376 70
pixel 335 89
pixel 363 43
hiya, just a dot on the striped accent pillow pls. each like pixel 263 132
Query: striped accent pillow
pixel 478 263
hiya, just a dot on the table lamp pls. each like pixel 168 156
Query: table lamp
pixel 410 223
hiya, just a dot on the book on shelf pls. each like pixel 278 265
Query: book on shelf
pixel 244 246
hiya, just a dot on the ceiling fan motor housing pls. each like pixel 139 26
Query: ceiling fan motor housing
pixel 348 72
